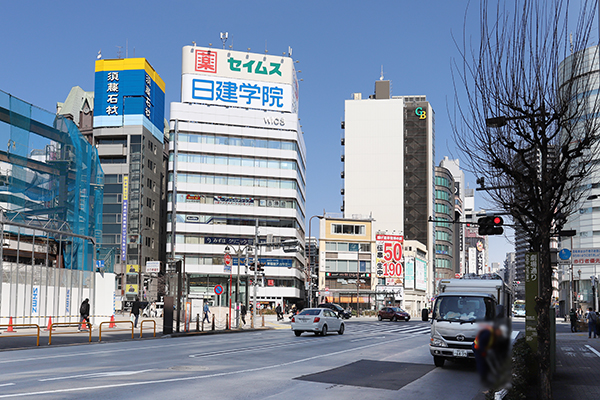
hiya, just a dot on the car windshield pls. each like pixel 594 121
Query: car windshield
pixel 312 311
pixel 397 309
pixel 463 308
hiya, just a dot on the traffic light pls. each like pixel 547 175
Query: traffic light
pixel 490 225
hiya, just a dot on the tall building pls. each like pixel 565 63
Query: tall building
pixel 237 172
pixel 445 250
pixel 388 165
pixel 129 126
pixel 459 211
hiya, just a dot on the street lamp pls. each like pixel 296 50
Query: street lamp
pixel 239 252
pixel 310 297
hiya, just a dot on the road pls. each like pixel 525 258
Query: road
pixel 372 360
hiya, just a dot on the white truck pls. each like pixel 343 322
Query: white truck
pixel 460 309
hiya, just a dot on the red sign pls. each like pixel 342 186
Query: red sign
pixel 389 256
pixel 228 260
pixel 270 282
pixel 457 275
pixel 219 289
pixel 206 61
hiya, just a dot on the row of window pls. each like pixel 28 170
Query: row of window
pixel 442 195
pixel 242 141
pixel 208 179
pixel 237 162
pixel 342 246
pixel 347 266
pixel 441 235
pixel 443 249
pixel 442 223
pixel 442 208
pixel 443 263
pixel 345 285
pixel 348 229
pixel 442 181
pixel 224 220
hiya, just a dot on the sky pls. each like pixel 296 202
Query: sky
pixel 341 46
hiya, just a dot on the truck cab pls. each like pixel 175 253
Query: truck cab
pixel 460 311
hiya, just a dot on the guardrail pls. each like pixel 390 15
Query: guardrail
pixel 23 334
pixel 142 324
pixel 117 330
pixel 51 328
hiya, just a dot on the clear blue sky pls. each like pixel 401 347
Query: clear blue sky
pixel 48 47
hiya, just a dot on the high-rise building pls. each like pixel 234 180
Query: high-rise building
pixel 444 224
pixel 388 165
pixel 453 165
pixel 129 132
pixel 237 172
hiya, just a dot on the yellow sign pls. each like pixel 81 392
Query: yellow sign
pixel 130 289
pixel 133 269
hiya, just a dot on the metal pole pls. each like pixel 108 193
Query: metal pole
pixel 255 266
pixel 571 280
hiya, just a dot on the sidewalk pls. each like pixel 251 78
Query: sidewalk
pixel 577 366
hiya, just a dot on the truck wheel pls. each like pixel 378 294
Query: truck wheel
pixel 297 333
pixel 438 361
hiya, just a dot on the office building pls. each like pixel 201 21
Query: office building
pixel 237 176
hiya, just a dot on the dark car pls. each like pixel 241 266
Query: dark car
pixel 393 314
pixel 339 310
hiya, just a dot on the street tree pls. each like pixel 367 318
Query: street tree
pixel 526 121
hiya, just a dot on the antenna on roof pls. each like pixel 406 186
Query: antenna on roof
pixel 99 56
pixel 224 37
pixel 119 52
pixel 381 77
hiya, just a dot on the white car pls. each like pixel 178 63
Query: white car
pixel 157 313
pixel 317 320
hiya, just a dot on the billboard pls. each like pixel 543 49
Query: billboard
pixel 585 256
pixel 389 256
pixel 420 274
pixel 237 65
pixel 230 92
pixel 409 273
pixel 129 92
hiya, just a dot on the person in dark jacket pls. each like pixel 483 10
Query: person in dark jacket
pixel 243 313
pixel 135 311
pixel 573 319
pixel 84 312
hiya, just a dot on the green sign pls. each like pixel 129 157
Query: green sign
pixel 531 291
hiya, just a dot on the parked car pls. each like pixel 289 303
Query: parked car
pixel 393 314
pixel 339 310
pixel 317 320
pixel 154 313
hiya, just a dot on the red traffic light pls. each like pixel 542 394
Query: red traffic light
pixel 498 221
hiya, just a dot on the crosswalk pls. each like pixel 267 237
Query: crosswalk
pixel 379 327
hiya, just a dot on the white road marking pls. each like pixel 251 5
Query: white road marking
pixel 189 378
pixel 242 350
pixel 593 350
pixel 7 384
pixel 368 338
pixel 96 375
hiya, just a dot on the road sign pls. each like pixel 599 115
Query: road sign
pixel 564 254
pixel 228 260
pixel 153 267
pixel 219 289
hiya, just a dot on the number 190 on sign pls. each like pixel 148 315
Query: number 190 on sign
pixel 392 269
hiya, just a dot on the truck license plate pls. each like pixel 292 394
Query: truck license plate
pixel 460 353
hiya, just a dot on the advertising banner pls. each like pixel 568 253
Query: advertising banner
pixel 237 64
pixel 409 273
pixel 204 89
pixel 586 256
pixel 124 218
pixel 389 256
pixel 420 274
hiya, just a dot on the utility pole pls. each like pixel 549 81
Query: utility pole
pixel 255 268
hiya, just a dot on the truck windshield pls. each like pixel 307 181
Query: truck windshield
pixel 463 308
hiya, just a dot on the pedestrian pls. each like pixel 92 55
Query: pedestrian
pixel 243 313
pixel 573 319
pixel 279 312
pixel 135 311
pixel 206 312
pixel 84 312
pixel 591 320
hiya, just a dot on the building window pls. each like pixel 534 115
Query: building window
pixel 348 229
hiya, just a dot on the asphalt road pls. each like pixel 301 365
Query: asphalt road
pixel 372 360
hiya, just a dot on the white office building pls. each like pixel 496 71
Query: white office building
pixel 238 158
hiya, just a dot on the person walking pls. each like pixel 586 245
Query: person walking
pixel 573 319
pixel 84 312
pixel 243 313
pixel 206 312
pixel 279 312
pixel 135 311
pixel 591 320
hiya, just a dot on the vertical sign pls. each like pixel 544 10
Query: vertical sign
pixel 389 256
pixel 420 274
pixel 409 273
pixel 472 260
pixel 531 292
pixel 124 220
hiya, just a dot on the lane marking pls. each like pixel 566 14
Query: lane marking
pixel 367 338
pixel 189 378
pixel 243 350
pixel 593 350
pixel 96 375
pixel 7 384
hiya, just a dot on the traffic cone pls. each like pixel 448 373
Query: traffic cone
pixel 49 328
pixel 10 327
pixel 112 322
pixel 83 325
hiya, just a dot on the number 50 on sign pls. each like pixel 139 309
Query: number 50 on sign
pixel 389 255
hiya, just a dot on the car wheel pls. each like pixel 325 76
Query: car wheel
pixel 379 317
pixel 394 318
pixel 438 361
pixel 324 330
pixel 297 333
pixel 407 319
pixel 341 331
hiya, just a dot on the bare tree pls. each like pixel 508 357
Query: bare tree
pixel 528 123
